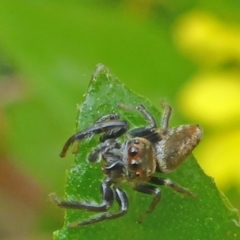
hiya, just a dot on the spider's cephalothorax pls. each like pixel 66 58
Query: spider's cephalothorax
pixel 147 151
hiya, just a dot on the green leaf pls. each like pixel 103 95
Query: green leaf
pixel 176 216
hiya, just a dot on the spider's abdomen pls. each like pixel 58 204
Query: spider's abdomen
pixel 176 145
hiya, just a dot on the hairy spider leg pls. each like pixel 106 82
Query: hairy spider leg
pixel 173 185
pixel 148 116
pixel 148 132
pixel 115 127
pixel 165 117
pixel 115 132
pixel 122 201
pixel 152 190
pixel 112 133
pixel 107 117
pixel 82 134
pixel 156 192
pixel 107 201
pixel 151 132
pixel 104 148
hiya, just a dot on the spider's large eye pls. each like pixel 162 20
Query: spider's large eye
pixel 132 152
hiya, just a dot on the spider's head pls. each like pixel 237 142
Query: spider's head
pixel 139 159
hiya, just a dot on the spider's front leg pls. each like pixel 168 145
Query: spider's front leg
pixel 109 124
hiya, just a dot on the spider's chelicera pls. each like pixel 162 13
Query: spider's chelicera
pixel 147 151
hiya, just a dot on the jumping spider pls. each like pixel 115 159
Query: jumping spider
pixel 148 150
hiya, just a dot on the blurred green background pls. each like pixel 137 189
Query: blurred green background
pixel 185 52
